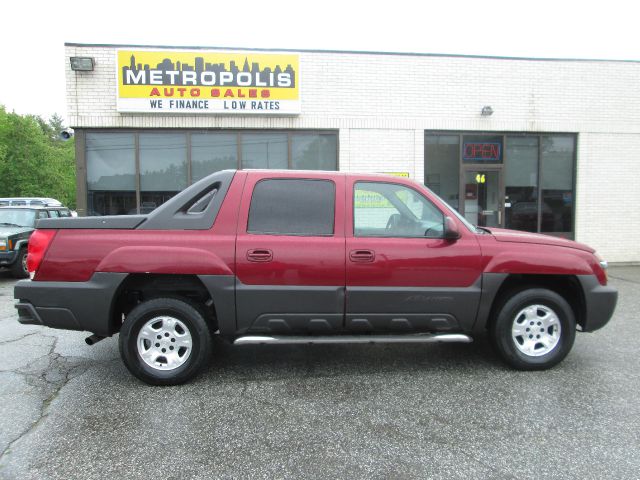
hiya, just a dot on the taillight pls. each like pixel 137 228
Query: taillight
pixel 38 244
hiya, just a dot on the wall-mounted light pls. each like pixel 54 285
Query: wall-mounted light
pixel 81 64
pixel 486 111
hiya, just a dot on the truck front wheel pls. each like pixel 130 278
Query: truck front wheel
pixel 534 329
pixel 165 341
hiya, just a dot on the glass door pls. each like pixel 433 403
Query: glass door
pixel 483 197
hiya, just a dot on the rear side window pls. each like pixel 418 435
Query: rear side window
pixel 292 207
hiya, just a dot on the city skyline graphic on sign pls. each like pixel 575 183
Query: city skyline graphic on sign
pixel 201 66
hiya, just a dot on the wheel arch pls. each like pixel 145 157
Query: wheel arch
pixel 22 243
pixel 139 287
pixel 567 286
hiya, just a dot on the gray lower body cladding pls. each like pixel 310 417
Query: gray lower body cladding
pixel 89 305
pixel 294 309
pixel 297 309
pixel 69 305
pixel 600 302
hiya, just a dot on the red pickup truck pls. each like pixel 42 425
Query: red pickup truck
pixel 283 257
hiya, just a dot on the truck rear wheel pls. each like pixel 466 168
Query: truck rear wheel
pixel 165 341
pixel 534 329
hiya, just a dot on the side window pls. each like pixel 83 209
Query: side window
pixel 64 213
pixel 292 207
pixel 393 210
pixel 42 214
pixel 54 213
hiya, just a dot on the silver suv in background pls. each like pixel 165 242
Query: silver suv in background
pixel 29 202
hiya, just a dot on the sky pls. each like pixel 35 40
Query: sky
pixel 33 33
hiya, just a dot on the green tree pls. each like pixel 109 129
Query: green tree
pixel 33 161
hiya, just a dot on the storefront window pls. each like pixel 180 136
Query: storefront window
pixel 314 152
pixel 164 160
pixel 557 183
pixel 163 168
pixel 518 181
pixel 265 150
pixel 212 152
pixel 111 173
pixel 521 184
pixel 442 169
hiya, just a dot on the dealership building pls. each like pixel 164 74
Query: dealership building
pixel 542 145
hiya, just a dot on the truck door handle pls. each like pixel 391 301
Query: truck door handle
pixel 260 255
pixel 362 256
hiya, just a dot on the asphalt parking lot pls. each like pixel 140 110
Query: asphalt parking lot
pixel 70 411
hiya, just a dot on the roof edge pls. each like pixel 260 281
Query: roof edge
pixel 349 52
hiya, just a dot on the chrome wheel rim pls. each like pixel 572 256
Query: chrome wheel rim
pixel 536 330
pixel 164 343
pixel 24 263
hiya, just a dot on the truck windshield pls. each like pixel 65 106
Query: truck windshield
pixel 18 217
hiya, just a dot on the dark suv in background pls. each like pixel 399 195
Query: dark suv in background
pixel 16 225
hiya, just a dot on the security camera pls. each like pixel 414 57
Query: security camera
pixel 66 134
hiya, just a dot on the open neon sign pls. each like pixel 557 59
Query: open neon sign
pixel 482 152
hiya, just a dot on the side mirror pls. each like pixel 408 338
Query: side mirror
pixel 451 230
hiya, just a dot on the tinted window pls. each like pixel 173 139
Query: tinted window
pixel 557 183
pixel 265 150
pixel 211 152
pixel 311 151
pixel 163 162
pixel 111 161
pixel 292 207
pixel 442 169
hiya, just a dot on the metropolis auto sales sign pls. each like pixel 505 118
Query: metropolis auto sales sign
pixel 172 81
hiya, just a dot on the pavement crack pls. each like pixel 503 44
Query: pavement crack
pixel 50 380
pixel 5 342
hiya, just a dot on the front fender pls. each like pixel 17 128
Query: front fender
pixel 163 260
pixel 542 262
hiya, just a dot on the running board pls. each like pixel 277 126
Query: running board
pixel 407 338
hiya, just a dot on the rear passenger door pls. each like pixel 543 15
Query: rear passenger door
pixel 290 254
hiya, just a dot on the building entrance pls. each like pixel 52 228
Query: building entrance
pixel 483 197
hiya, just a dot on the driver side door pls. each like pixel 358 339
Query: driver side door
pixel 402 275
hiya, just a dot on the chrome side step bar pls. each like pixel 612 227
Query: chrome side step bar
pixel 406 338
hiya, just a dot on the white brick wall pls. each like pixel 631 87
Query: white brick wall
pixel 382 104
pixel 608 194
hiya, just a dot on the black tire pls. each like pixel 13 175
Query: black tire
pixel 189 317
pixel 19 267
pixel 515 330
